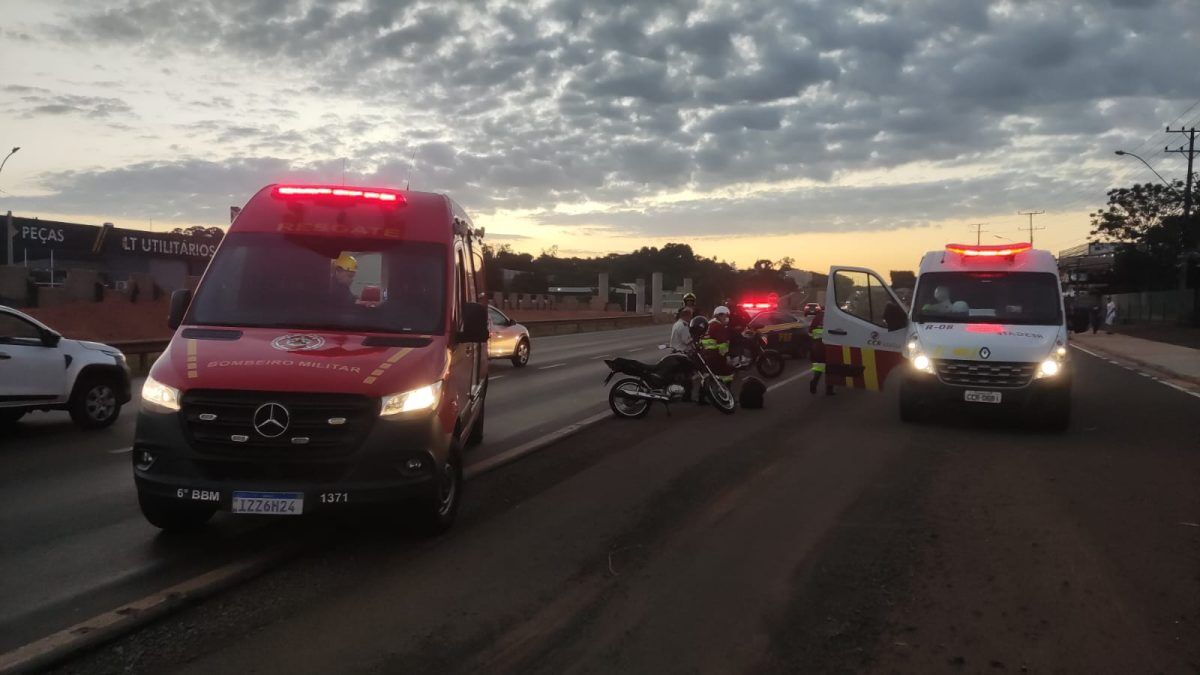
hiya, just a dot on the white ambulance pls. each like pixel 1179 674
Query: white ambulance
pixel 986 330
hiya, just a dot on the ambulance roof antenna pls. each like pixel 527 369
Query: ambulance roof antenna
pixel 412 163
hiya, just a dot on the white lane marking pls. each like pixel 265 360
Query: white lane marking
pixel 555 365
pixel 121 451
pixel 630 351
pixel 602 356
pixel 493 378
pixel 1131 369
pixel 532 446
pixel 790 379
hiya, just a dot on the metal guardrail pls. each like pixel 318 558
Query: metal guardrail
pixel 141 350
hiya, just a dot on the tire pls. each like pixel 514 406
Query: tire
pixel 436 514
pixel 520 357
pixel 94 403
pixel 910 405
pixel 172 515
pixel 630 409
pixel 769 364
pixel 9 417
pixel 720 396
pixel 1056 417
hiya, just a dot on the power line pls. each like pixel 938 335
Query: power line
pixel 978 232
pixel 1190 153
pixel 1031 214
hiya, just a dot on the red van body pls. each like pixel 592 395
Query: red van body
pixel 287 389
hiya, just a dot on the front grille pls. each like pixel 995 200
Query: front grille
pixel 213 419
pixel 984 373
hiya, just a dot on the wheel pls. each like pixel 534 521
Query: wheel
pixel 625 406
pixel 94 403
pixel 910 404
pixel 769 364
pixel 520 357
pixel 720 395
pixel 9 416
pixel 476 435
pixel 436 514
pixel 1056 416
pixel 172 515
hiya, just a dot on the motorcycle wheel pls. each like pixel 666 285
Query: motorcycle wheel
pixel 769 364
pixel 624 406
pixel 720 395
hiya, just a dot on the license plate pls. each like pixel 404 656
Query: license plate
pixel 269 503
pixel 981 396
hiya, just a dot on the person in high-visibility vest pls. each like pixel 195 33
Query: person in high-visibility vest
pixel 715 346
pixel 816 330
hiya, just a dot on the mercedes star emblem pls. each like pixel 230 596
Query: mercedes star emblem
pixel 271 420
pixel 985 353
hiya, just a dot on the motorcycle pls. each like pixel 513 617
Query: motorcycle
pixel 768 362
pixel 663 382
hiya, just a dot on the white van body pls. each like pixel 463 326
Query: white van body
pixel 986 329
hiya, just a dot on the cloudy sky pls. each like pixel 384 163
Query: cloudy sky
pixel 827 130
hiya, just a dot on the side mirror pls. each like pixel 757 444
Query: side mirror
pixel 894 317
pixel 475 323
pixel 50 338
pixel 179 305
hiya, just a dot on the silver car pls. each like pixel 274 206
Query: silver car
pixel 508 339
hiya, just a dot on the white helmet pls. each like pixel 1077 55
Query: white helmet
pixel 721 309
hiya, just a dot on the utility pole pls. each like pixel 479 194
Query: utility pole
pixel 978 232
pixel 1185 255
pixel 1032 229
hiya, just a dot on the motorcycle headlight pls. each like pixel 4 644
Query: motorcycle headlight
pixel 159 397
pixel 423 398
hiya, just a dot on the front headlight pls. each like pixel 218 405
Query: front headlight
pixel 425 398
pixel 1049 368
pixel 922 363
pixel 160 397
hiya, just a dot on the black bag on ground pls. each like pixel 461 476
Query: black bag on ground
pixel 753 393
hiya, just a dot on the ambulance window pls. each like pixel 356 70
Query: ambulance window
pixel 861 295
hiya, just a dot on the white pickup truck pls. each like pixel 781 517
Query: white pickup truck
pixel 42 370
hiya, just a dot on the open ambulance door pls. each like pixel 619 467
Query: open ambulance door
pixel 865 328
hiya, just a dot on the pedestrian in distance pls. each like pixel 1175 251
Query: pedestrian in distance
pixel 1097 317
pixel 1110 316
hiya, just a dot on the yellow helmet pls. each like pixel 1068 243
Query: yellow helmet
pixel 347 262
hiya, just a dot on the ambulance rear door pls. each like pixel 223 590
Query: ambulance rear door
pixel 865 328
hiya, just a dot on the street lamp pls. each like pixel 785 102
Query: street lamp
pixel 14 151
pixel 1122 153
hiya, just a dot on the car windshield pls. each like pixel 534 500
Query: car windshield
pixel 314 282
pixel 1029 298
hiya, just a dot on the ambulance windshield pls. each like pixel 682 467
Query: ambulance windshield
pixel 300 282
pixel 1027 298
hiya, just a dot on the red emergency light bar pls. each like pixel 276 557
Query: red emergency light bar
pixel 988 250
pixel 341 192
pixel 991 328
pixel 757 305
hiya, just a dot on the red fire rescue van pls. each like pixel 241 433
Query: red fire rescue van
pixel 330 358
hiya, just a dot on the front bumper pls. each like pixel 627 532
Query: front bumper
pixel 374 473
pixel 1037 393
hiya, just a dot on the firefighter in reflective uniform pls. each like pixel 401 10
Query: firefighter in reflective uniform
pixel 715 346
pixel 817 331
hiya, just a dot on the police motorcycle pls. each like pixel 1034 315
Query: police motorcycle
pixel 665 382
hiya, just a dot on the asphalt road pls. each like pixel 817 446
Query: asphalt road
pixel 73 543
pixel 817 535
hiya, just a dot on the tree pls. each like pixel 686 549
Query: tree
pixel 1148 217
pixel 903 279
pixel 200 232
